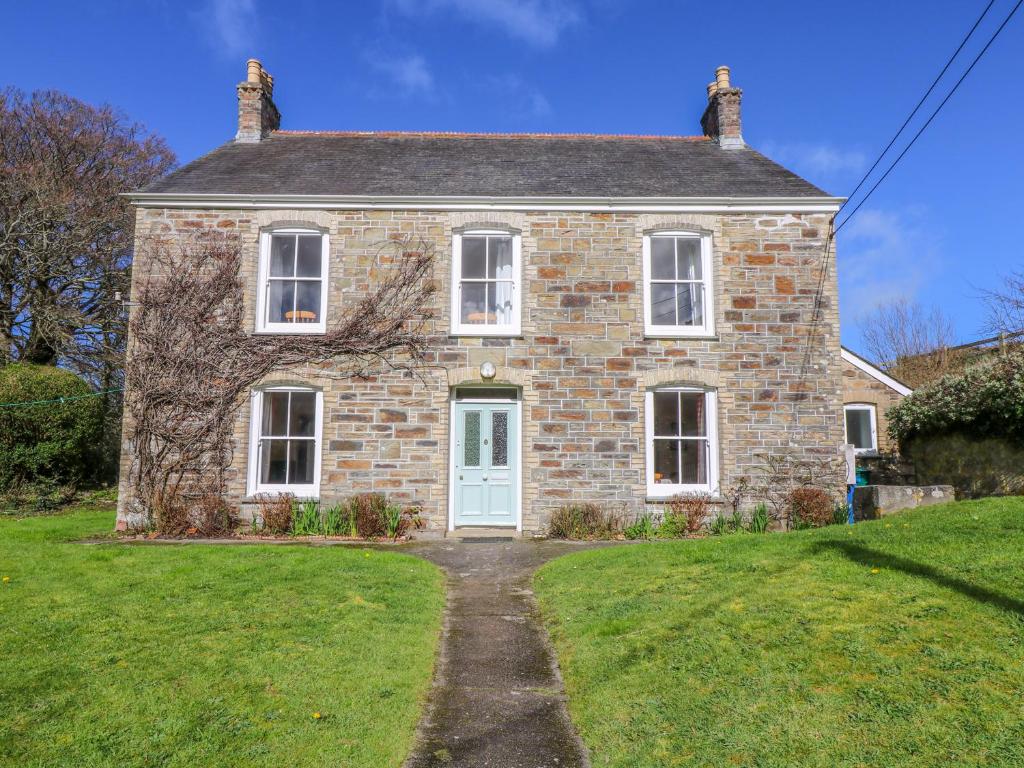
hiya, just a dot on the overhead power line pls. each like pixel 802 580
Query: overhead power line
pixel 919 103
pixel 938 109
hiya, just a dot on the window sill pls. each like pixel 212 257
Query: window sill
pixel 289 332
pixel 301 493
pixel 466 334
pixel 712 499
pixel 681 336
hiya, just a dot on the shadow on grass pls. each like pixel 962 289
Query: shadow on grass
pixel 879 559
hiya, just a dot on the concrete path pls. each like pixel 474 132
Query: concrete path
pixel 497 697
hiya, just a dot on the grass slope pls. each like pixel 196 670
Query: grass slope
pixel 892 643
pixel 118 655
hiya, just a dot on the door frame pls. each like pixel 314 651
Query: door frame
pixel 519 454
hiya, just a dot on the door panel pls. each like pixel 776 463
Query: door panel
pixel 486 463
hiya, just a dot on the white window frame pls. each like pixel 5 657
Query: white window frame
pixel 707 283
pixel 263 286
pixel 458 328
pixel 306 491
pixel 665 490
pixel 874 425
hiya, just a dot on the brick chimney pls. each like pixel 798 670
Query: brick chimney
pixel 257 115
pixel 721 120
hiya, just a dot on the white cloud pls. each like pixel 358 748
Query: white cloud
pixel 818 162
pixel 409 73
pixel 229 25
pixel 520 100
pixel 886 255
pixel 538 22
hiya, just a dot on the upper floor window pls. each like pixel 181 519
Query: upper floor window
pixel 682 450
pixel 292 282
pixel 861 429
pixel 485 283
pixel 285 441
pixel 677 279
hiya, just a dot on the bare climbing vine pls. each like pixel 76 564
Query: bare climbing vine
pixel 192 363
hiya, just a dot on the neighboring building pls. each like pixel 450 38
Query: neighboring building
pixel 868 393
pixel 647 304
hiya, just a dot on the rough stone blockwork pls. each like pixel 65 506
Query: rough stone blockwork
pixel 582 360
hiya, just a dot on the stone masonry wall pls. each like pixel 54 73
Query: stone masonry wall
pixel 582 360
pixel 858 387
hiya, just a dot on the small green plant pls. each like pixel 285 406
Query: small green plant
pixel 392 521
pixel 335 522
pixel 719 526
pixel 759 519
pixel 351 519
pixel 672 526
pixel 840 514
pixel 641 528
pixel 306 518
pixel 736 522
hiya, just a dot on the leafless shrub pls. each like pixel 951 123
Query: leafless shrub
pixel 584 521
pixel 275 510
pixel 736 492
pixel 781 473
pixel 687 511
pixel 212 515
pixel 810 507
pixel 368 510
pixel 192 363
pixel 170 514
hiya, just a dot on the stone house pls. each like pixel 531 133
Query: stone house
pixel 620 318
pixel 868 392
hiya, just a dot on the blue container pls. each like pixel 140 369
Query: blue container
pixel 863 475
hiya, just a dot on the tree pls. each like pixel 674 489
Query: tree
pixel 1006 306
pixel 65 230
pixel 192 362
pixel 909 342
pixel 66 237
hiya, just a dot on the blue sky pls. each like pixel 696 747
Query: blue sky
pixel 825 85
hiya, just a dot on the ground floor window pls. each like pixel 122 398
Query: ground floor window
pixel 682 451
pixel 285 441
pixel 861 428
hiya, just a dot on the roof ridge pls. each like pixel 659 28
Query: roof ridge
pixel 486 135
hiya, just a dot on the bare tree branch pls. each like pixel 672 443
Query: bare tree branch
pixel 910 342
pixel 1006 306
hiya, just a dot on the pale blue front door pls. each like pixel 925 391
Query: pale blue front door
pixel 486 458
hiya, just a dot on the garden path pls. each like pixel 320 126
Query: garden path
pixel 497 698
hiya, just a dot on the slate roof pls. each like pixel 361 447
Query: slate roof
pixel 484 165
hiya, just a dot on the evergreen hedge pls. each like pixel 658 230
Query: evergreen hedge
pixel 54 442
pixel 984 401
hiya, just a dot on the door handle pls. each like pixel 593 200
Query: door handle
pixel 485 477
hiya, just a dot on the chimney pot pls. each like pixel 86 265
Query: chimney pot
pixel 257 113
pixel 721 119
pixel 722 77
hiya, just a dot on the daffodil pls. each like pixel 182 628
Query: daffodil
pixel 316 715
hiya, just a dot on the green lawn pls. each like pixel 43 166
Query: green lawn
pixel 117 655
pixel 892 643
